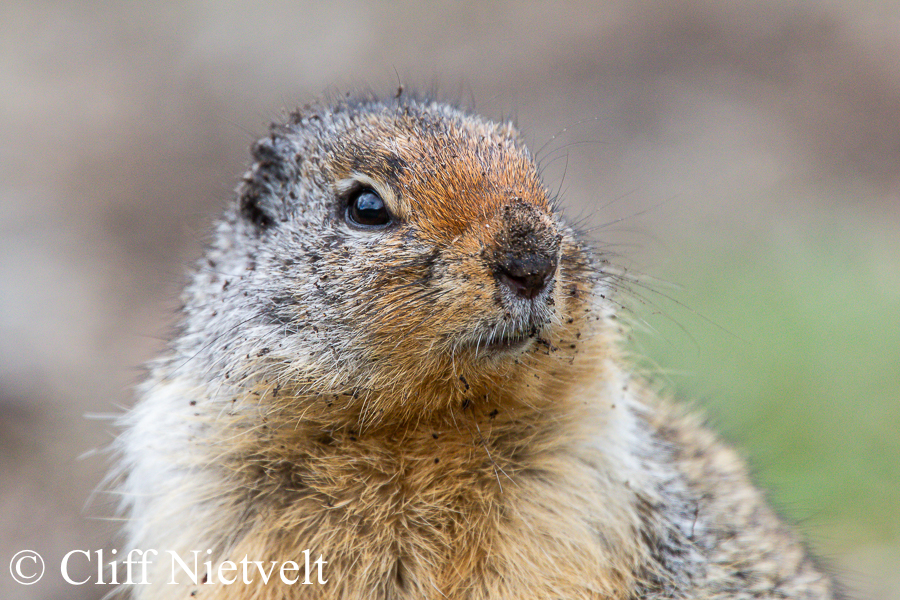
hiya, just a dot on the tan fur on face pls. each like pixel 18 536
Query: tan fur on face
pixel 449 180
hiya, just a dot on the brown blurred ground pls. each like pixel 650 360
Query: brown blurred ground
pixel 124 127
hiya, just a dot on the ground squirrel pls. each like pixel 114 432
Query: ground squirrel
pixel 398 356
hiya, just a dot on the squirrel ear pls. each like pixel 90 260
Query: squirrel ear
pixel 252 210
pixel 264 193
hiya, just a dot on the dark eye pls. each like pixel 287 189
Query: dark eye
pixel 367 209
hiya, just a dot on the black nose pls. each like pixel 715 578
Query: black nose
pixel 526 249
pixel 527 275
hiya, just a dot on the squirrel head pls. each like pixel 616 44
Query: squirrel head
pixel 388 259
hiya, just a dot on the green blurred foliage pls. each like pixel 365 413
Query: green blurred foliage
pixel 792 347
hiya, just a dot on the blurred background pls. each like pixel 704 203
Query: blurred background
pixel 741 159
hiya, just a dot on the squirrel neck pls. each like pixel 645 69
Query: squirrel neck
pixel 495 426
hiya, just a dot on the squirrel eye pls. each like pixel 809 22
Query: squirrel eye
pixel 367 209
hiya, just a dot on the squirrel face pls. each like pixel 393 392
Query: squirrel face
pixel 396 251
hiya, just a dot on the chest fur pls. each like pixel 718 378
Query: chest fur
pixel 454 513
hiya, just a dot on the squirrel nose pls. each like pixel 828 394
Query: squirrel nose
pixel 527 250
pixel 527 275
